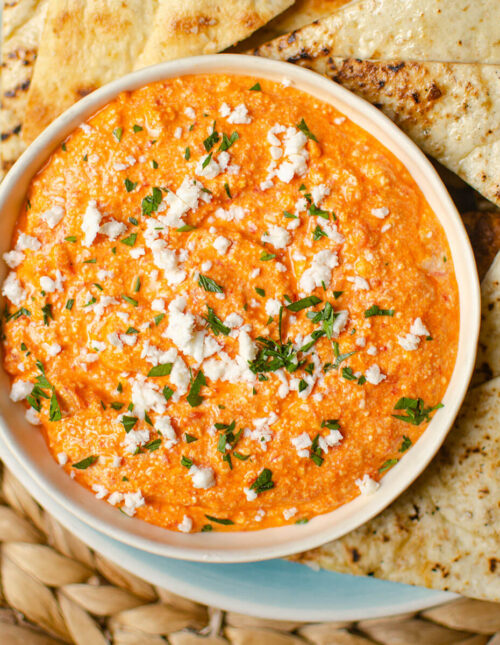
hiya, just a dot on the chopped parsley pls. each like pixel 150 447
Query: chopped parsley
pixel 207 160
pixel 187 154
pixel 130 240
pixel 260 291
pixel 211 140
pixel 186 462
pixel 117 133
pixel 304 303
pixel 71 238
pixel 302 126
pixel 129 422
pixel 263 482
pixel 316 452
pixel 131 301
pixel 415 409
pixel 265 256
pixel 219 520
pixel 256 88
pixel 193 398
pixel 318 233
pixel 227 142
pixel 228 191
pixel 130 185
pixel 151 202
pixel 158 319
pixel 215 323
pixel 47 314
pixel 137 128
pixel 289 215
pixel 387 465
pixel 167 392
pixel 163 369
pixel 375 310
pixel 190 438
pixel 405 444
pixel 209 285
pixel 85 463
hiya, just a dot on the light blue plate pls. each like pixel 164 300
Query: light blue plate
pixel 272 589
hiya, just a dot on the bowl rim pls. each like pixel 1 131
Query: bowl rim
pixel 239 546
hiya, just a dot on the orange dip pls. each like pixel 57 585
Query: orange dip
pixel 155 255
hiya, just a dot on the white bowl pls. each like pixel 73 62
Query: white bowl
pixel 26 441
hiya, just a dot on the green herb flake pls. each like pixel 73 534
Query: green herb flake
pixel 154 164
pixel 265 256
pixel 150 203
pixel 71 239
pixel 219 520
pixel 137 128
pixel 206 528
pixel 185 229
pixel 128 422
pixel 137 285
pixel 131 301
pixel 375 310
pixel 189 438
pixel 130 240
pixel 216 324
pixel 85 463
pixel 209 285
pixel 405 444
pixel 117 133
pixel 227 189
pixel 303 520
pixel 256 88
pixel 227 142
pixel 193 398
pixel 263 482
pixel 153 445
pixel 415 409
pixel 186 462
pixel 387 465
pixel 260 291
pixel 302 126
pixel 130 185
pixel 318 233
pixel 167 392
pixel 207 160
pixel 187 154
pixel 304 303
pixel 163 369
pixel 158 319
pixel 289 215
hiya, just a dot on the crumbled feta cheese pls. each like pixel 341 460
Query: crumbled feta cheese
pixel 233 321
pixel 178 133
pixel 32 417
pixel 367 485
pixel 100 491
pixel 166 259
pixel 374 375
pixel 20 390
pixel 418 328
pixel 112 229
pixel 255 273
pixel 278 236
pixel 380 212
pixel 134 439
pixel 273 306
pixel 25 242
pixel 137 252
pixel 186 525
pixel 185 198
pixel 13 290
pixel 250 494
pixel 372 350
pixel 361 341
pixel 53 349
pixel 91 222
pixel 288 513
pixel 221 244
pixel 318 193
pixel 238 115
pixel 190 113
pixel 332 232
pixel 359 283
pixel 115 498
pixel 409 342
pixel 202 477
pixel 13 258
pixel 132 501
pixel 146 396
pixel 206 266
pixel 301 444
pixel 53 216
pixel 62 458
pixel 320 271
pixel 158 304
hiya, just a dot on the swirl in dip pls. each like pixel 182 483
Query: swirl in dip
pixel 228 306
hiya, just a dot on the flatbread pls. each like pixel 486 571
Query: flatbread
pixel 410 30
pixel 87 43
pixel 488 353
pixel 21 30
pixel 443 532
pixel 451 111
pixel 301 13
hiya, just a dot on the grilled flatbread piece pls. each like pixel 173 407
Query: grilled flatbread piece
pixel 301 13
pixel 419 30
pixel 87 43
pixel 21 29
pixel 443 532
pixel 483 228
pixel 451 111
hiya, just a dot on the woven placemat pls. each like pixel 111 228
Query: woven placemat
pixel 54 589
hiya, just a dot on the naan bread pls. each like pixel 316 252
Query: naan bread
pixel 483 228
pixel 21 29
pixel 443 532
pixel 488 352
pixel 87 43
pixel 449 31
pixel 451 111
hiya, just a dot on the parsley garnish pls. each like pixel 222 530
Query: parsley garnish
pixel 117 133
pixel 167 392
pixel 207 160
pixel 318 233
pixel 375 310
pixel 263 482
pixel 47 314
pixel 131 301
pixel 227 142
pixel 228 191
pixel 130 185
pixel 303 520
pixel 187 154
pixel 189 438
pixel 193 398
pixel 256 88
pixel 153 445
pixel 137 128
pixel 289 215
pixel 151 202
pixel 209 285
pixel 387 465
pixel 163 369
pixel 218 520
pixel 186 462
pixel 302 126
pixel 304 303
pixel 185 229
pixel 130 240
pixel 158 319
pixel 316 452
pixel 265 256
pixel 415 409
pixel 85 463
pixel 129 422
pixel 216 324
pixel 405 444
pixel 239 456
pixel 260 291
pixel 71 238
